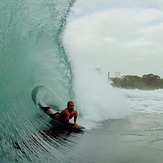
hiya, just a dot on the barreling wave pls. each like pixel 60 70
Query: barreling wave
pixel 34 64
pixel 32 54
pixel 44 96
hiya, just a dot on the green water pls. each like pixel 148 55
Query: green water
pixel 31 54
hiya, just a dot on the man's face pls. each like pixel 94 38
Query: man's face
pixel 70 106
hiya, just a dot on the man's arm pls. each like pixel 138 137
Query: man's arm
pixel 75 118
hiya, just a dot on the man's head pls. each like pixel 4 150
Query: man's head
pixel 70 106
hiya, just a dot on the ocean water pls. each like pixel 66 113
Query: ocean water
pixel 121 125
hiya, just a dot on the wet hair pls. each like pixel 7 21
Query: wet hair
pixel 69 102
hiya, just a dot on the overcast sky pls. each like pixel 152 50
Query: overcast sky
pixel 117 36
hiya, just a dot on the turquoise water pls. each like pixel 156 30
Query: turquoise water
pixel 31 54
pixel 34 66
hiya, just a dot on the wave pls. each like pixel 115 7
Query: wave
pixel 145 101
pixel 34 64
pixel 32 54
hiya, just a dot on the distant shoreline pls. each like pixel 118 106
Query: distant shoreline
pixel 146 82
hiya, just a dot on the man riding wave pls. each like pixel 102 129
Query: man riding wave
pixel 65 115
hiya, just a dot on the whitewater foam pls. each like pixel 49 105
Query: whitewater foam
pixel 145 101
pixel 96 99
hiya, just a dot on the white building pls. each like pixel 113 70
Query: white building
pixel 108 75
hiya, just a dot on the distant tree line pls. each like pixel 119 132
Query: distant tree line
pixel 149 81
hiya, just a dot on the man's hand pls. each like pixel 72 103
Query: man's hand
pixel 76 125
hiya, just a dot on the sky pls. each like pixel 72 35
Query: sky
pixel 117 36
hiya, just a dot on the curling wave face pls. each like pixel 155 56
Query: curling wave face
pixel 31 54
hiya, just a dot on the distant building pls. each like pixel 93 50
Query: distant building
pixel 98 70
pixel 108 75
pixel 117 74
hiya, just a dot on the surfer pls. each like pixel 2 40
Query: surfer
pixel 65 115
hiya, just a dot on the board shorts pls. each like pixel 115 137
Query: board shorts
pixel 53 115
